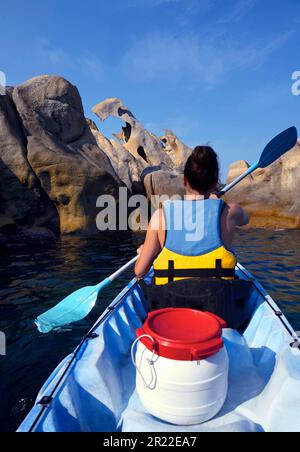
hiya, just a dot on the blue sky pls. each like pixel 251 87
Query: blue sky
pixel 213 71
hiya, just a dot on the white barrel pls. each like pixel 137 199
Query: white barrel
pixel 181 392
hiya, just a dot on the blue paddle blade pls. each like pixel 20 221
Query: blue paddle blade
pixel 71 309
pixel 284 142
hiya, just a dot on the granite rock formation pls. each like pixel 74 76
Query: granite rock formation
pixel 23 203
pixel 157 162
pixel 55 163
pixel 142 144
pixel 127 167
pixel 159 183
pixel 52 169
pixel 270 195
pixel 176 149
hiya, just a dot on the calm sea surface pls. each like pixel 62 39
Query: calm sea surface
pixel 35 276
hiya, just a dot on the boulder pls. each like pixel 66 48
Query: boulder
pixel 270 194
pixel 52 104
pixel 63 153
pixel 23 204
pixel 163 183
pixel 73 178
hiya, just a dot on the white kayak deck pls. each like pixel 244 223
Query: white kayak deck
pixel 94 389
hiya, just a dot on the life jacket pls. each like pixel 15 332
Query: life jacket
pixel 193 244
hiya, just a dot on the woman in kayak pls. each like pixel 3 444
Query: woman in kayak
pixel 218 223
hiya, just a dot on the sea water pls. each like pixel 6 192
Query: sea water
pixel 37 275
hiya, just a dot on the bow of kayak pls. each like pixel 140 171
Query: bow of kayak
pixel 94 388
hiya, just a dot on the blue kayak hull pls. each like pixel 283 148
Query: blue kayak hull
pixel 93 390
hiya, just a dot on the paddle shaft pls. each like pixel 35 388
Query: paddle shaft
pixel 238 179
pixel 123 269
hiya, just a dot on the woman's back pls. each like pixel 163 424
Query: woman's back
pixel 213 220
pixel 232 216
pixel 193 241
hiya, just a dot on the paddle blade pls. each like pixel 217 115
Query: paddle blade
pixel 73 308
pixel 284 142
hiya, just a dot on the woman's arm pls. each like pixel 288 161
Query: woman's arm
pixel 151 247
pixel 233 216
pixel 238 215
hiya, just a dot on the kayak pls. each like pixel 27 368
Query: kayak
pixel 94 390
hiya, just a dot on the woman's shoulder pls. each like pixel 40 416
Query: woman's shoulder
pixel 157 220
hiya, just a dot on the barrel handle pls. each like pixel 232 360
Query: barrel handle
pixel 150 361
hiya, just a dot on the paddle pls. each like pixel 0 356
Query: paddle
pixel 282 143
pixel 80 303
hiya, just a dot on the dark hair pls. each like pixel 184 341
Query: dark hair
pixel 202 169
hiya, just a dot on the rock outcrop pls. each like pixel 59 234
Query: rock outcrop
pixel 127 167
pixel 23 203
pixel 270 195
pixel 176 149
pixel 158 162
pixel 142 144
pixel 55 163
pixel 52 170
pixel 159 183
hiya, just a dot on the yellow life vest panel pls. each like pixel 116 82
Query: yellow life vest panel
pixel 193 244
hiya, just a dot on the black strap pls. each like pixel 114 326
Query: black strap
pixel 171 271
pixel 219 268
pixel 217 272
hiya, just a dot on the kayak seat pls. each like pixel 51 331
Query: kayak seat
pixel 226 298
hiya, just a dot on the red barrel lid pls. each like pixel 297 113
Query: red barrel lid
pixel 182 334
